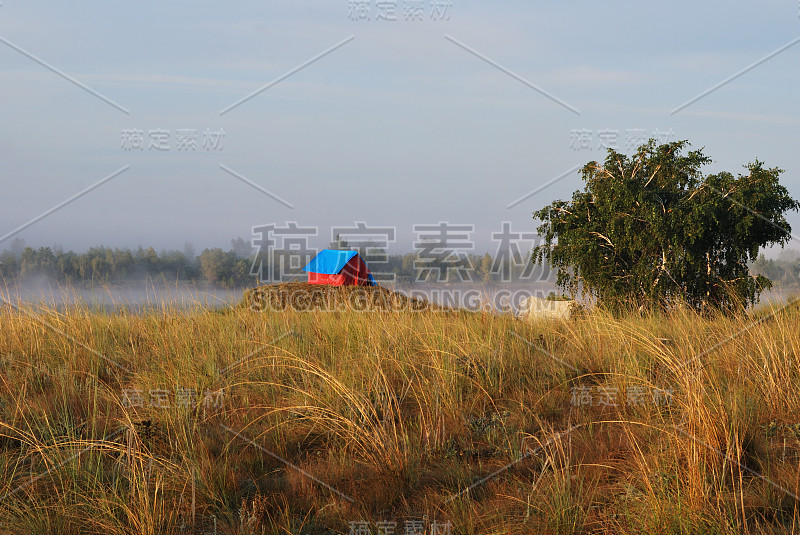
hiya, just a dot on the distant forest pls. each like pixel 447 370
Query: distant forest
pixel 783 271
pixel 232 268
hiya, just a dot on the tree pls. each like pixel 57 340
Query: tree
pixel 9 266
pixel 188 252
pixel 241 248
pixel 339 244
pixel 28 262
pixel 651 230
pixel 213 264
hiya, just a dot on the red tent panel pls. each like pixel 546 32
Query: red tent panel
pixel 324 278
pixel 354 273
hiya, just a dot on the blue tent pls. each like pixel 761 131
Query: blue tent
pixel 339 268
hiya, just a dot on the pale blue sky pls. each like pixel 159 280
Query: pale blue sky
pixel 398 126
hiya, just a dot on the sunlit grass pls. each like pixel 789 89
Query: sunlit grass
pixel 388 416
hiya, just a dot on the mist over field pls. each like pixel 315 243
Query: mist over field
pixel 144 295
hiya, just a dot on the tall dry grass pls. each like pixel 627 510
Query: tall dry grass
pixel 312 422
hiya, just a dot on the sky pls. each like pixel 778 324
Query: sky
pixel 198 121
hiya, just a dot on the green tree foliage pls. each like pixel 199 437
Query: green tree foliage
pixel 213 264
pixel 653 230
pixel 224 269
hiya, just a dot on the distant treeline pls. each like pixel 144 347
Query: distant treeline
pixel 117 265
pixel 783 271
pixel 232 268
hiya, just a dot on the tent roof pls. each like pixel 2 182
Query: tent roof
pixel 330 262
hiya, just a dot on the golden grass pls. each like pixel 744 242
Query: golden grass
pixel 331 418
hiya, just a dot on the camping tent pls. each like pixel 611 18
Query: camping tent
pixel 338 268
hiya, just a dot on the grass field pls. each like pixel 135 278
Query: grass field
pixel 429 421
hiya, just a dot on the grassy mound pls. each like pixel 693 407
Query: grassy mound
pixel 303 297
